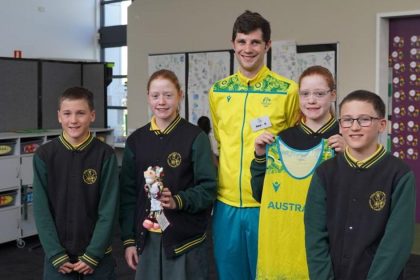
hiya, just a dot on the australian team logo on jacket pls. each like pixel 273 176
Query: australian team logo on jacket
pixel 266 101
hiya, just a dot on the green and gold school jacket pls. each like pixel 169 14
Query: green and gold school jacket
pixel 184 152
pixel 75 198
pixel 359 218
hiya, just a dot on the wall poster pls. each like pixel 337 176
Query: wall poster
pixel 290 60
pixel 204 69
pixel 284 59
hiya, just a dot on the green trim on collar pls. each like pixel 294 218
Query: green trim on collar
pixel 70 147
pixel 170 127
pixel 330 123
pixel 375 157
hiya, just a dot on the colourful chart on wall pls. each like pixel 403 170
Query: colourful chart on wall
pixel 204 69
pixel 404 60
pixel 290 60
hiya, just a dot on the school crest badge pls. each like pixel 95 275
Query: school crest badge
pixel 377 200
pixel 174 159
pixel 90 176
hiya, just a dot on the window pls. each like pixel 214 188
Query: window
pixel 113 41
pixel 115 12
pixel 118 56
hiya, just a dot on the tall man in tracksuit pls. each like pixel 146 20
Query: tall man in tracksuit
pixel 242 106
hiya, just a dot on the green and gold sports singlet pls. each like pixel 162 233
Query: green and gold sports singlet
pixel 281 242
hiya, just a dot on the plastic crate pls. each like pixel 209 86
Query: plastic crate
pixel 7 148
pixel 7 198
pixel 29 146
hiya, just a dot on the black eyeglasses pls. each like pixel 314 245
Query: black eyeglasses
pixel 316 94
pixel 363 121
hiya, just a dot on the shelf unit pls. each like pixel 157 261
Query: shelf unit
pixel 16 173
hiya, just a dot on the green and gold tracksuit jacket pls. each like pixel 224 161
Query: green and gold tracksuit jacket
pixel 235 102
pixel 75 198
pixel 183 150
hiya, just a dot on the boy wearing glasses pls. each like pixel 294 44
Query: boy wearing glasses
pixel 359 212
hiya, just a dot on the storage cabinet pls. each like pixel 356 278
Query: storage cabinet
pixel 9 172
pixel 9 219
pixel 26 170
pixel 16 176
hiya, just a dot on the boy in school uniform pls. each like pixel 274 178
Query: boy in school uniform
pixel 76 195
pixel 360 209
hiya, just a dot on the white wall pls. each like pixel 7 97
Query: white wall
pixel 186 25
pixel 55 29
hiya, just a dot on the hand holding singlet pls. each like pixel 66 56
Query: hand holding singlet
pixel 261 141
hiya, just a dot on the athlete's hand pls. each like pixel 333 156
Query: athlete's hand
pixel 261 141
pixel 337 143
pixel 131 257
